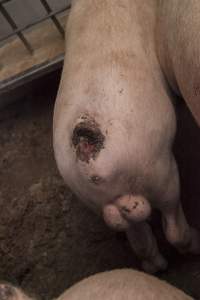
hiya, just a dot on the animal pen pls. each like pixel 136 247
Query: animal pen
pixel 48 239
pixel 33 48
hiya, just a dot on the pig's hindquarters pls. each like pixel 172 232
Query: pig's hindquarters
pixel 112 285
pixel 123 284
pixel 145 96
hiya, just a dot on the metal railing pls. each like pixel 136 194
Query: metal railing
pixel 18 31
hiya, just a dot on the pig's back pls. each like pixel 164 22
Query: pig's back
pixel 123 284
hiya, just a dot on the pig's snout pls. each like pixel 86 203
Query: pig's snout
pixel 87 139
pixel 134 208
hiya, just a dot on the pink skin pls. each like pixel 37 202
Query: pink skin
pixel 114 219
pixel 178 40
pixel 114 125
pixel 134 208
pixel 125 210
pixel 117 284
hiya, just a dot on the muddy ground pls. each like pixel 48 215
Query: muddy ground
pixel 48 239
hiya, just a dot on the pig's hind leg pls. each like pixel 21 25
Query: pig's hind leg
pixel 175 226
pixel 145 247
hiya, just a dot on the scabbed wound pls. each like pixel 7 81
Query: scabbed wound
pixel 87 139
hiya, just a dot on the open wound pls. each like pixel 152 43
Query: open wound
pixel 87 139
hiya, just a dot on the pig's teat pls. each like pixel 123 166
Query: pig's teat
pixel 87 139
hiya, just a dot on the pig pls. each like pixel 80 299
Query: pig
pixel 111 285
pixel 114 125
pixel 178 47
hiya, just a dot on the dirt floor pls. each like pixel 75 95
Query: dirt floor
pixel 48 239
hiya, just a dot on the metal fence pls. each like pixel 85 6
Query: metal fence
pixel 18 31
pixel 17 19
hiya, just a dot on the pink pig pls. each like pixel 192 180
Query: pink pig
pixel 178 44
pixel 114 125
pixel 111 285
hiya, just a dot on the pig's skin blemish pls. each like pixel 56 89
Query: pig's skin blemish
pixel 110 123
pixel 95 179
pixel 135 205
pixel 7 292
pixel 121 91
pixel 87 139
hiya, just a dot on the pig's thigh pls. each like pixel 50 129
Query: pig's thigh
pixel 145 247
pixel 178 45
pixel 175 226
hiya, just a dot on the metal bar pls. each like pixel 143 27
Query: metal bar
pixel 54 19
pixel 18 30
pixel 14 27
pixel 31 74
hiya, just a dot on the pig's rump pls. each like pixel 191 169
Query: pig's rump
pixel 114 125
pixel 123 284
pixel 112 285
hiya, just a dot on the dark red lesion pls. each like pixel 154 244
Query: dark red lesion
pixel 87 139
pixel 85 150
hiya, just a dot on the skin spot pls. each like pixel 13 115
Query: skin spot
pixel 110 123
pixel 87 139
pixel 95 179
pixel 121 91
pixel 135 205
